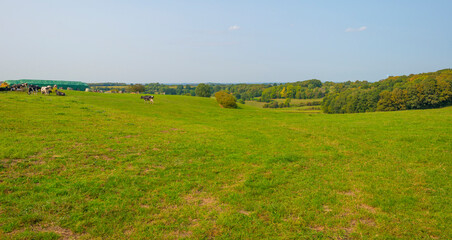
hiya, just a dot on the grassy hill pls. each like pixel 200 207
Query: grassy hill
pixel 94 165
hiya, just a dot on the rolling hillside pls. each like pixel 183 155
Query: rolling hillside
pixel 94 165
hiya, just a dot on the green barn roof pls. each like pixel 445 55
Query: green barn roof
pixel 60 83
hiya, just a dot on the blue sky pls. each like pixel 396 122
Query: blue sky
pixel 222 41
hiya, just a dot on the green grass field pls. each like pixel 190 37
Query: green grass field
pixel 104 166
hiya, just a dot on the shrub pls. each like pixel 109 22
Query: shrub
pixel 287 102
pixel 272 104
pixel 225 99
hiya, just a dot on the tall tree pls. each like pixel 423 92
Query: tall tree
pixel 203 90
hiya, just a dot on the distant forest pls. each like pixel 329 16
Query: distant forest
pixel 415 91
pixel 106 84
pixel 308 89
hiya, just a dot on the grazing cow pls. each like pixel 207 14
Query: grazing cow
pixel 33 89
pixel 17 87
pixel 149 99
pixel 46 90
pixel 58 93
pixel 21 87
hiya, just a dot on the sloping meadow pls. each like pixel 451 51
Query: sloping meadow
pixel 94 165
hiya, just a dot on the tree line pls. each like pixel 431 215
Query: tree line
pixel 308 89
pixel 415 91
pixel 107 84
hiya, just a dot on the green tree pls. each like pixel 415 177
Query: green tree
pixel 385 104
pixel 136 88
pixel 287 102
pixel 203 90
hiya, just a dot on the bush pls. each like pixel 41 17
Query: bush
pixel 225 99
pixel 313 103
pixel 272 104
pixel 287 102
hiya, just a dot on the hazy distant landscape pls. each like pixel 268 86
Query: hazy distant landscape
pixel 415 91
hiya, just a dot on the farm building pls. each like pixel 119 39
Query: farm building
pixel 75 85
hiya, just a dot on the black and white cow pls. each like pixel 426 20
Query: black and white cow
pixel 18 87
pixel 58 93
pixel 149 99
pixel 33 89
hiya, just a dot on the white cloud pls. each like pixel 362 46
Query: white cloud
pixel 233 28
pixel 360 29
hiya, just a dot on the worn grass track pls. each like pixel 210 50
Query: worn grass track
pixel 94 165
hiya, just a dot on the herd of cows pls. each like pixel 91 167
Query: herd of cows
pixel 33 89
